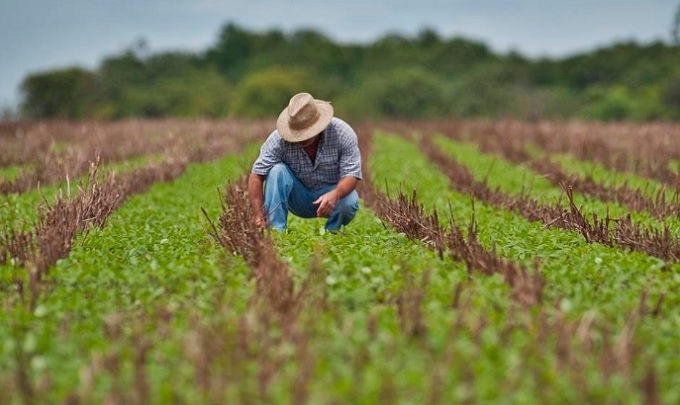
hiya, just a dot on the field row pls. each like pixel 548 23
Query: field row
pixel 474 303
pixel 45 152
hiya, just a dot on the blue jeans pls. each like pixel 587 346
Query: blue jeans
pixel 283 192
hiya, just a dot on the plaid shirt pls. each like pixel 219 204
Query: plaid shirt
pixel 338 156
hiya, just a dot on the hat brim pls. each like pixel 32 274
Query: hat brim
pixel 298 135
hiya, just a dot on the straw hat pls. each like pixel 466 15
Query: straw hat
pixel 304 118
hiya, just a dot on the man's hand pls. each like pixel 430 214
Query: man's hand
pixel 326 203
pixel 255 183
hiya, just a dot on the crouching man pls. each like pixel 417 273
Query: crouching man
pixel 309 165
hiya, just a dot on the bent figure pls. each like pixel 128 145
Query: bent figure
pixel 309 165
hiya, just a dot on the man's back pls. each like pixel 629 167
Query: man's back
pixel 338 156
pixel 309 166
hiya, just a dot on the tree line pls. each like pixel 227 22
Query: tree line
pixel 251 74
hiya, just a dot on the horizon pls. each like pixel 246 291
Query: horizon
pixel 531 28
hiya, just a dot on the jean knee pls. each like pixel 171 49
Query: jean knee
pixel 348 206
pixel 280 175
pixel 277 171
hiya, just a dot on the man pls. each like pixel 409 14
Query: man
pixel 309 165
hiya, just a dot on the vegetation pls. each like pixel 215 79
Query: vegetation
pixel 252 74
pixel 148 282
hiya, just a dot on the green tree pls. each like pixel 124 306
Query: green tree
pixel 252 74
pixel 195 93
pixel 169 64
pixel 428 38
pixel 312 48
pixel 457 56
pixel 264 93
pixel 407 93
pixel 238 48
pixel 492 89
pixel 119 71
pixel 609 104
pixel 59 93
pixel 671 95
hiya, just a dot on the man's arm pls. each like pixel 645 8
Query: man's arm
pixel 349 168
pixel 255 182
pixel 270 154
pixel 328 201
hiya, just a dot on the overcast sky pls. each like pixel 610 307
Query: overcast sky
pixel 41 34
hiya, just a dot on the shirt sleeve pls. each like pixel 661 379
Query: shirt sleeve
pixel 270 154
pixel 350 156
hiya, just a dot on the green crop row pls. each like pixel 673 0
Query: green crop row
pixel 674 165
pixel 10 172
pixel 586 278
pixel 152 275
pixel 153 253
pixel 22 209
pixel 602 174
pixel 516 179
pixel 366 269
pixel 399 162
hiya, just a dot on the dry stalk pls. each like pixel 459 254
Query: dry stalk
pixel 407 215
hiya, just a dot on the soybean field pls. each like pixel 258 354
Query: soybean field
pixel 500 262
